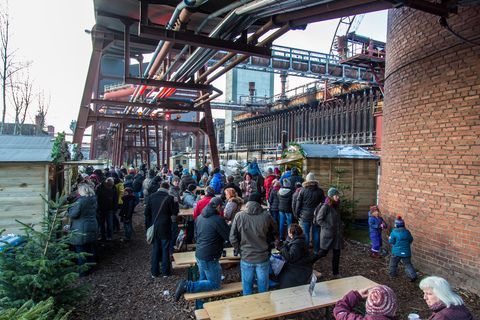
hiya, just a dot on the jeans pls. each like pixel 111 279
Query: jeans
pixel 289 217
pixel 90 248
pixel 335 259
pixel 160 253
pixel 315 234
pixel 173 240
pixel 249 270
pixel 274 214
pixel 106 218
pixel 409 270
pixel 210 273
pixel 128 228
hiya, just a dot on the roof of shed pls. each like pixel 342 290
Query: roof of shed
pixel 336 151
pixel 25 148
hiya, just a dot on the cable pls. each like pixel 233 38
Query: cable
pixel 444 23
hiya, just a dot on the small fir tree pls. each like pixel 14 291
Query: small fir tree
pixel 44 310
pixel 43 266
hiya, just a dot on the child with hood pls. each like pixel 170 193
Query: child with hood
pixel 401 240
pixel 375 225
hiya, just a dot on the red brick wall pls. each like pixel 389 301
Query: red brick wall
pixel 431 140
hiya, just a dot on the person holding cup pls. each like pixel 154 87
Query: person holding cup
pixel 381 304
pixel 444 303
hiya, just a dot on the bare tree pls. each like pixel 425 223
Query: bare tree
pixel 22 98
pixel 42 110
pixel 8 64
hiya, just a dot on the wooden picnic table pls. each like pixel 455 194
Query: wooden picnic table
pixel 187 212
pixel 188 258
pixel 282 302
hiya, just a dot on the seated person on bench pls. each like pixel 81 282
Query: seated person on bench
pixel 298 266
pixel 211 232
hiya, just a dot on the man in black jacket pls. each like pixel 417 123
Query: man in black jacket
pixel 160 210
pixel 231 184
pixel 107 198
pixel 211 232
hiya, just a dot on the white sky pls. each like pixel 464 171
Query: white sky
pixel 51 34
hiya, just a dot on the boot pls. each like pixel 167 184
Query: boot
pixel 374 255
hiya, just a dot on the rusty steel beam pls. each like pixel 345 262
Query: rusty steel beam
pixel 181 125
pixel 169 84
pixel 170 106
pixel 159 33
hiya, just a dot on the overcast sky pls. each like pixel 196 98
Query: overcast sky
pixel 51 34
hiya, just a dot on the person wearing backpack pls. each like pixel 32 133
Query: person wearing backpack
pixel 309 198
pixel 327 216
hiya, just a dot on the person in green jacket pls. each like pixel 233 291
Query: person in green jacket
pixel 401 240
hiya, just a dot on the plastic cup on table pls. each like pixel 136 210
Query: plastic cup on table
pixel 413 316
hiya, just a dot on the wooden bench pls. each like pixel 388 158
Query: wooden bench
pixel 228 288
pixel 283 302
pixel 201 314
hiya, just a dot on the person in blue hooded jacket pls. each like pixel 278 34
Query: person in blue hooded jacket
pixel 375 226
pixel 401 240
pixel 217 182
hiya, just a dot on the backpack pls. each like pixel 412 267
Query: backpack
pixel 316 214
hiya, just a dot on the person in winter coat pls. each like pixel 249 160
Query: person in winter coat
pixel 253 168
pixel 107 200
pixel 295 177
pixel 440 298
pixel 267 183
pixel 189 197
pixel 160 210
pixel 285 195
pixel 273 200
pixel 296 193
pixel 211 232
pixel 210 194
pixel 120 189
pixel 128 181
pixel 251 233
pixel 146 183
pixel 286 175
pixel 375 226
pixel 83 220
pixel 381 304
pixel 277 173
pixel 401 239
pixel 233 206
pixel 331 228
pixel 175 192
pixel 186 180
pixel 248 186
pixel 308 200
pixel 298 266
pixel 217 182
pixel 126 213
pixel 137 185
pixel 231 184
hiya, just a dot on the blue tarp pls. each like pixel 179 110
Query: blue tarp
pixel 336 151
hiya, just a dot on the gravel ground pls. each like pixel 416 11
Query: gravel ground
pixel 121 286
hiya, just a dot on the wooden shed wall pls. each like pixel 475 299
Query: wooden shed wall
pixel 359 174
pixel 20 188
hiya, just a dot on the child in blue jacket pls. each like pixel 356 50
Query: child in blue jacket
pixel 375 226
pixel 401 239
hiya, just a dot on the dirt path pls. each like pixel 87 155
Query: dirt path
pixel 121 286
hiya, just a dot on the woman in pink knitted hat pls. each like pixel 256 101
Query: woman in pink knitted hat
pixel 381 304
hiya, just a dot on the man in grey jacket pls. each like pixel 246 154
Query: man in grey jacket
pixel 252 232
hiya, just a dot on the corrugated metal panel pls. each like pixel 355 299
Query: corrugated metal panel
pixel 336 151
pixel 25 148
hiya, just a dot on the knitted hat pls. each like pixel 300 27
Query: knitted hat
pixel 215 202
pixel 257 197
pixel 381 301
pixel 310 177
pixel 276 170
pixel 399 223
pixel 287 183
pixel 270 171
pixel 332 191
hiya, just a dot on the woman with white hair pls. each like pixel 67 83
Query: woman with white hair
pixel 83 220
pixel 444 303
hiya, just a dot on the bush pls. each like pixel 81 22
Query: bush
pixel 42 267
pixel 44 310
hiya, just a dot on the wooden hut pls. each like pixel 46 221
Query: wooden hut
pixel 24 176
pixel 351 167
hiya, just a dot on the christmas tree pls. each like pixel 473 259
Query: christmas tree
pixel 43 267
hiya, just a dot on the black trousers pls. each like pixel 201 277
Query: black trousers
pixel 335 259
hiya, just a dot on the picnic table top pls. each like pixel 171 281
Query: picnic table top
pixel 285 301
pixel 188 258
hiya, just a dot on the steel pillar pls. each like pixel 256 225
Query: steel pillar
pixel 157 146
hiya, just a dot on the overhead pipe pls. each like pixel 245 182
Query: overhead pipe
pixel 180 13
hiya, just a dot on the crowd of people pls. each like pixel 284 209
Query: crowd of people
pixel 254 215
